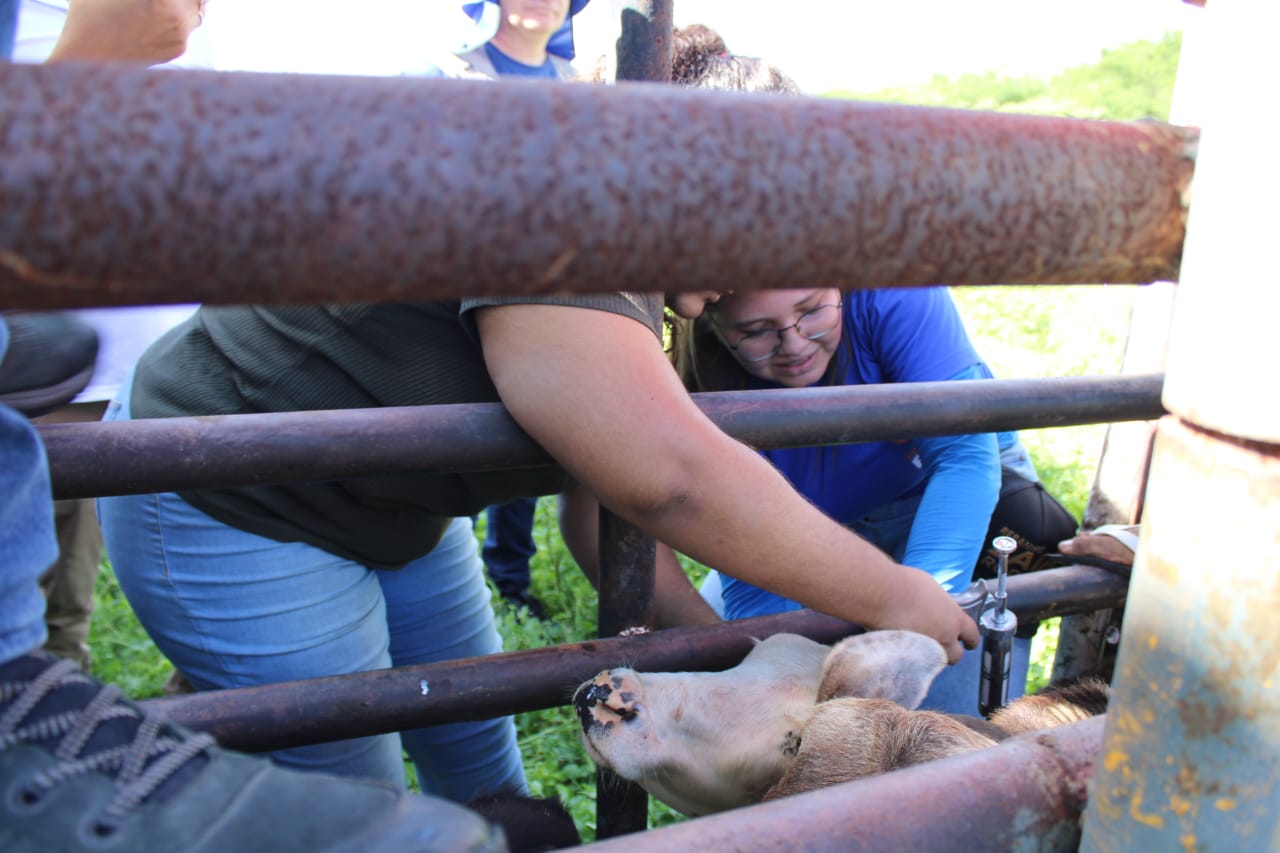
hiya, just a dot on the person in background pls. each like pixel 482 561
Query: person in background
pixel 514 50
pixel 88 770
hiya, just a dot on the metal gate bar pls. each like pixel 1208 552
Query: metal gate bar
pixel 144 456
pixel 324 709
pixel 1026 793
pixel 123 186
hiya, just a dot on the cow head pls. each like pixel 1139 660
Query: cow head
pixel 704 742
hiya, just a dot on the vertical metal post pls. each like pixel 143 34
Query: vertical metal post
pixel 1191 754
pixel 626 553
pixel 1086 640
pixel 644 44
pixel 626 605
pixel 626 577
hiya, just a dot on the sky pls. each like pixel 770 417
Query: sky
pixel 823 44
pixel 863 46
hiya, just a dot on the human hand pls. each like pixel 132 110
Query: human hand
pixel 140 31
pixel 1115 543
pixel 920 604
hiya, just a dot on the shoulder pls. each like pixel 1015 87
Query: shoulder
pixel 470 65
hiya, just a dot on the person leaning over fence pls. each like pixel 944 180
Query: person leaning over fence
pixel 926 502
pixel 345 577
pixel 84 769
pixel 257 584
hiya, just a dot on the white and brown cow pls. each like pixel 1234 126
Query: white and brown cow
pixel 794 716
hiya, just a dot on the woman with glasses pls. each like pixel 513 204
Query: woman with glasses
pixel 927 503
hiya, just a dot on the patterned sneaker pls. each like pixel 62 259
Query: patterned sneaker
pixel 83 769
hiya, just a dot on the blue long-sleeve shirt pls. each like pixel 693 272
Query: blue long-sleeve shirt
pixel 890 336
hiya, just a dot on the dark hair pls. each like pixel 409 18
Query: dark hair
pixel 701 59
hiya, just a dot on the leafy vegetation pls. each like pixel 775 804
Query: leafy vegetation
pixel 1022 332
pixel 1134 81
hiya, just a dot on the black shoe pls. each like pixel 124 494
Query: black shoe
pixel 82 769
pixel 49 361
pixel 525 598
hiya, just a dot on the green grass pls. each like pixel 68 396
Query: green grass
pixel 1022 332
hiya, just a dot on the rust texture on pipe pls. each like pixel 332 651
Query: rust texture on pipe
pixel 1192 746
pixel 127 186
pixel 138 457
pixel 645 40
pixel 325 709
pixel 1026 793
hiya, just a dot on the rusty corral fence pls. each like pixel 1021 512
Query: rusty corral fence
pixel 117 183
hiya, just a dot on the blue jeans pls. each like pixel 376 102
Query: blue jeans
pixel 8 29
pixel 508 544
pixel 234 609
pixel 28 545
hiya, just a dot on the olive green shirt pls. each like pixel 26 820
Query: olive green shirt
pixel 236 360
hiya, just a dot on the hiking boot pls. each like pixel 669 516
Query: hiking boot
pixel 524 598
pixel 83 769
pixel 49 361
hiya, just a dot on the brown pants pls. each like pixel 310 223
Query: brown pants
pixel 68 585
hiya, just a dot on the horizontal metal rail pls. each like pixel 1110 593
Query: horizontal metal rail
pixel 96 459
pixel 325 709
pixel 126 186
pixel 1026 793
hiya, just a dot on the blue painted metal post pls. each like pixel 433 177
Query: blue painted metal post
pixel 1191 754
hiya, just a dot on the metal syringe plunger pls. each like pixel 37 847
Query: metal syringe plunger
pixel 997 625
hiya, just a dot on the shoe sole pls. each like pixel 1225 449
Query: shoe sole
pixel 39 401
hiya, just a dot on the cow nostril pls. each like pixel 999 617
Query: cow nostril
pixel 596 693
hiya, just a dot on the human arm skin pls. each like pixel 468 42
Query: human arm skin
pixel 676 602
pixel 596 391
pixel 147 32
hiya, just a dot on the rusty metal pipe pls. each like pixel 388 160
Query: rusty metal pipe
pixel 941 806
pixel 645 40
pixel 138 457
pixel 126 186
pixel 325 709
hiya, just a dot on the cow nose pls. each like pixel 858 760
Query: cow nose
pixel 594 693
pixel 603 701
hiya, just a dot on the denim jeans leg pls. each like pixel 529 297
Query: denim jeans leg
pixel 439 608
pixel 28 545
pixel 509 545
pixel 232 609
pixel 8 30
pixel 955 690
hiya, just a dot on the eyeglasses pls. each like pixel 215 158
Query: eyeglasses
pixel 761 344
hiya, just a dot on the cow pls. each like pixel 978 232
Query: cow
pixel 795 715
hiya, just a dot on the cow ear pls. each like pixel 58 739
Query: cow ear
pixel 894 665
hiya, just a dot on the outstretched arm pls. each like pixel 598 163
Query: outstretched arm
pixel 595 390
pixel 676 602
pixel 148 32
